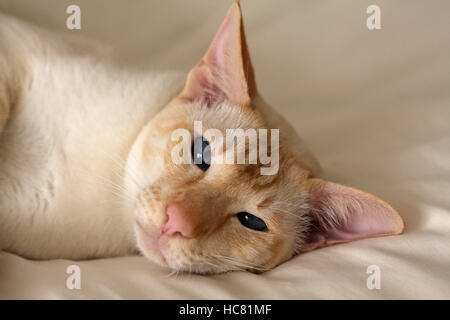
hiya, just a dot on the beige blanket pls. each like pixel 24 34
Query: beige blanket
pixel 373 105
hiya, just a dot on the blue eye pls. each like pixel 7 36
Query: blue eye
pixel 250 221
pixel 201 153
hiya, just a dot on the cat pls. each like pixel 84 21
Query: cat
pixel 86 168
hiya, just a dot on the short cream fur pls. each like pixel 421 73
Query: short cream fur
pixel 85 167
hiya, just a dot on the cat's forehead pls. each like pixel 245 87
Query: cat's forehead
pixel 219 115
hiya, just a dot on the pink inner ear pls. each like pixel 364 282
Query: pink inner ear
pixel 226 37
pixel 366 215
pixel 345 214
pixel 220 76
pixel 202 86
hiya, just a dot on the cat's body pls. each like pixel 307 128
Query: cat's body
pixel 75 118
pixel 73 145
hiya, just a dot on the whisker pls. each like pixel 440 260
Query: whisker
pixel 239 264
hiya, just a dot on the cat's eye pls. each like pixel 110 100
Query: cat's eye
pixel 250 221
pixel 201 153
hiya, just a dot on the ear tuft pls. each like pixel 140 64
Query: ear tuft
pixel 225 72
pixel 342 214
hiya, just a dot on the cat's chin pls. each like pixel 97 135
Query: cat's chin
pixel 149 245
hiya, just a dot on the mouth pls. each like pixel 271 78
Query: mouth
pixel 149 244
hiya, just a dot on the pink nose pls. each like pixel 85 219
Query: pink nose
pixel 179 222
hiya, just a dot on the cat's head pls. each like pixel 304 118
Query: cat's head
pixel 209 217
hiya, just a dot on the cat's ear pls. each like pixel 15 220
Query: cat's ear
pixel 342 214
pixel 225 72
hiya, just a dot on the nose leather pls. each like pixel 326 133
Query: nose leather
pixel 179 221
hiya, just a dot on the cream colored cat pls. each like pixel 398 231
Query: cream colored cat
pixel 86 168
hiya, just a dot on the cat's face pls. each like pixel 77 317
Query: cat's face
pixel 216 217
pixel 220 217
